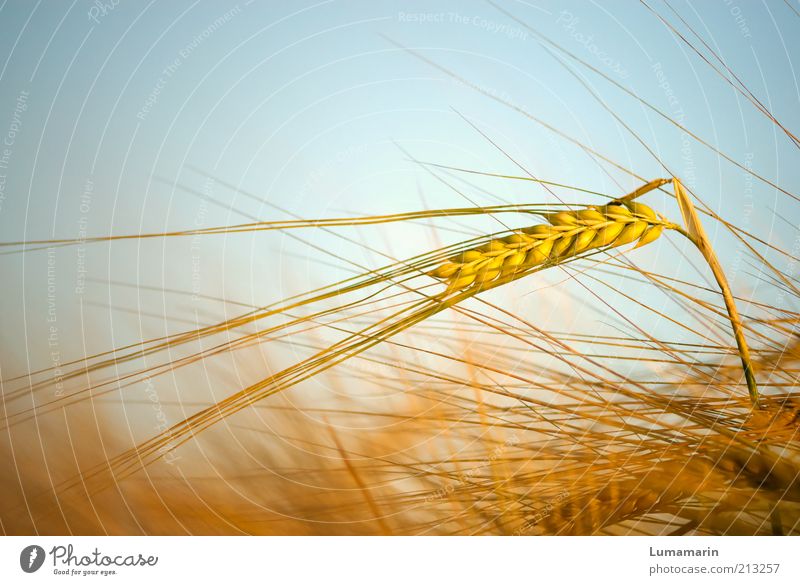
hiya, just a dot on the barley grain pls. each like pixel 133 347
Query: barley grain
pixel 568 234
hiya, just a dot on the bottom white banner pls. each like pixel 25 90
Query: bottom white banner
pixel 352 560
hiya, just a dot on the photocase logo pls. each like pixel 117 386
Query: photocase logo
pixel 31 558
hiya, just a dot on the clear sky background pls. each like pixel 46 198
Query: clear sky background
pixel 112 113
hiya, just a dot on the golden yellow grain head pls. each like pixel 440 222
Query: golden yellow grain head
pixel 570 233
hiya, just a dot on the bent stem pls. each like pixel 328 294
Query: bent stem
pixel 696 234
pixel 733 313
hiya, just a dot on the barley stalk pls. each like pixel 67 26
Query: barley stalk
pixel 571 233
pixel 696 234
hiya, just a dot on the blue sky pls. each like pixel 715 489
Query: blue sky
pixel 311 109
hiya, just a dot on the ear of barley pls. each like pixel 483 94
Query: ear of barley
pixel 568 234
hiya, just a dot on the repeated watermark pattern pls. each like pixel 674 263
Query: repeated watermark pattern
pixel 476 21
pixel 748 206
pixel 739 19
pixel 53 342
pixel 195 248
pixel 84 206
pixel 167 453
pixel 531 525
pixel 688 170
pixel 10 139
pixel 569 22
pixel 790 270
pixel 170 70
pixel 467 477
pixel 100 9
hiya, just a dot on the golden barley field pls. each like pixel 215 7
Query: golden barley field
pixel 536 329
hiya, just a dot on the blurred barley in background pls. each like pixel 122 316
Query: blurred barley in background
pixel 270 268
